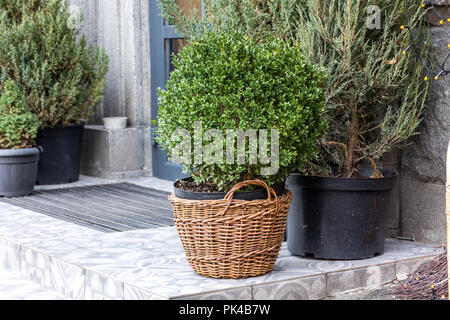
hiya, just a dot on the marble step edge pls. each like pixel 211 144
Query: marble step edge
pixel 76 282
pixel 14 287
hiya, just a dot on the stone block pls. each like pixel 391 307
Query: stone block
pixel 423 211
pixel 338 282
pixel 309 288
pixel 114 154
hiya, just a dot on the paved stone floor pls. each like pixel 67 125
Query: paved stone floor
pixel 81 263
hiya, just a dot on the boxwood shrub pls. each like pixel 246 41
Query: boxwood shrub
pixel 228 81
pixel 18 126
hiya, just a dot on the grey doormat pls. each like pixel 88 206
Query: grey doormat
pixel 108 208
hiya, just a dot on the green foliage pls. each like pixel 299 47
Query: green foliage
pixel 18 126
pixel 257 19
pixel 228 81
pixel 60 75
pixel 375 94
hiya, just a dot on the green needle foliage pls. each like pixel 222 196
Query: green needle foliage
pixel 227 81
pixel 60 75
pixel 375 95
pixel 256 18
pixel 18 126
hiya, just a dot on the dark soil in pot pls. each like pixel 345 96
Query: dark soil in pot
pixel 18 170
pixel 61 156
pixel 186 189
pixel 339 218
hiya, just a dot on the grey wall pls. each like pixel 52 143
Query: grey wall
pixel 423 170
pixel 122 28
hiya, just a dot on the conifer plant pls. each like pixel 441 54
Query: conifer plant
pixel 61 76
pixel 18 126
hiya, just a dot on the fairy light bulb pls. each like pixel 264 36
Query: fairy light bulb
pixel 426 78
pixel 441 22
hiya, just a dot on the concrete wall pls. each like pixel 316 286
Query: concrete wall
pixel 122 28
pixel 422 209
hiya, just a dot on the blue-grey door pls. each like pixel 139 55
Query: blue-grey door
pixel 164 41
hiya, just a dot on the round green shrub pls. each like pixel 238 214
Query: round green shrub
pixel 18 126
pixel 227 81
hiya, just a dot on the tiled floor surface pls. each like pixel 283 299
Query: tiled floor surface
pixel 80 263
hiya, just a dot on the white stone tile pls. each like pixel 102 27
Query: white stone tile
pixel 67 279
pixel 309 288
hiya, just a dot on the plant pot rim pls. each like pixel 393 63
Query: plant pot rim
pixel 82 123
pixel 347 184
pixel 19 152
pixel 240 195
pixel 115 118
pixel 388 174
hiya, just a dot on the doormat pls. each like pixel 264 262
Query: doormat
pixel 108 208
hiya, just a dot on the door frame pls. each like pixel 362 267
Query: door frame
pixel 159 33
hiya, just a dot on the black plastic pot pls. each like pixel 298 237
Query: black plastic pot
pixel 18 169
pixel 260 194
pixel 60 160
pixel 338 218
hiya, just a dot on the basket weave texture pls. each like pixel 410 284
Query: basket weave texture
pixel 232 239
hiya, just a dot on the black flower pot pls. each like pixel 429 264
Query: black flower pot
pixel 339 218
pixel 61 156
pixel 259 194
pixel 18 169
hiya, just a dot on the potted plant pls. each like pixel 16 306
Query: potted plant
pixel 231 213
pixel 375 98
pixel 60 75
pixel 18 157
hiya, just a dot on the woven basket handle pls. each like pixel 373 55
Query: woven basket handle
pixel 270 192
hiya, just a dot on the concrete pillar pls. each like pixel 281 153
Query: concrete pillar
pixel 122 28
pixel 423 162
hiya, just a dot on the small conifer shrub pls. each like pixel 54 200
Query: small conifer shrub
pixel 18 126
pixel 61 77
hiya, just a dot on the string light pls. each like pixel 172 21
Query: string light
pixel 443 71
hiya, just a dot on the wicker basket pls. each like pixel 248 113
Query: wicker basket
pixel 232 239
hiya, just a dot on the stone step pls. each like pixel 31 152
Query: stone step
pixel 13 287
pixel 84 264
